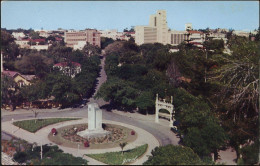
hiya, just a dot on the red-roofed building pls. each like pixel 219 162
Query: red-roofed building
pixel 70 69
pixel 20 79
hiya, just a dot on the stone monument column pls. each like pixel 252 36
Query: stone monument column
pixel 94 122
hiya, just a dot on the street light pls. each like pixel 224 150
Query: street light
pixel 78 150
pixel 12 125
pixel 41 149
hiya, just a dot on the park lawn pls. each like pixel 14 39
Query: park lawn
pixel 116 158
pixel 31 126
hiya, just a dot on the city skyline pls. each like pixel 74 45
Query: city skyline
pixel 99 15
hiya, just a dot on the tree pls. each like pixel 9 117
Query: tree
pixel 9 49
pixel 10 91
pixel 35 113
pixel 105 42
pixel 145 102
pixel 216 45
pixel 34 35
pixel 122 145
pixel 119 93
pixel 238 77
pixel 173 155
pixel 58 52
pixel 91 50
pixel 114 47
pixel 34 63
pixel 250 153
pixel 201 129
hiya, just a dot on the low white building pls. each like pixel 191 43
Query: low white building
pixel 218 36
pixel 23 43
pixel 18 35
pixel 241 33
pixel 39 47
pixel 114 34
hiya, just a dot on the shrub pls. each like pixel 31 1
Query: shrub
pixel 86 144
pixel 20 157
pixel 53 131
pixel 132 132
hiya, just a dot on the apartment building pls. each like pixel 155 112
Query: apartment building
pixel 73 37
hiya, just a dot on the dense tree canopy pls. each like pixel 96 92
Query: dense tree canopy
pixel 34 63
pixel 173 155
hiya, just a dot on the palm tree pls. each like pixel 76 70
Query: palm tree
pixel 122 145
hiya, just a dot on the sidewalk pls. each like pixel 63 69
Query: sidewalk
pixel 26 111
pixel 141 117
pixel 40 137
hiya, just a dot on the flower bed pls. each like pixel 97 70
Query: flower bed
pixel 116 134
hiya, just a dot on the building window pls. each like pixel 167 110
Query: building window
pixel 155 21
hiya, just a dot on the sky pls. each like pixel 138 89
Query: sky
pixel 103 15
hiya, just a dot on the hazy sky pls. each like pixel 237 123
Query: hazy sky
pixel 79 15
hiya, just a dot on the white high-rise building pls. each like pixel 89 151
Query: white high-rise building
pixel 158 31
pixel 159 21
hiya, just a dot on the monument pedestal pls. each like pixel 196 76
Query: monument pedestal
pixel 94 123
pixel 93 133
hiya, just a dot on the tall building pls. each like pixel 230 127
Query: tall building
pixel 73 38
pixel 158 31
pixel 159 21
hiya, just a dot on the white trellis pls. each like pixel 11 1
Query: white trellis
pixel 162 104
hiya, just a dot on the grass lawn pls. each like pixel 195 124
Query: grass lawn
pixel 31 126
pixel 116 158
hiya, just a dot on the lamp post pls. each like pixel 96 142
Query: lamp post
pixel 12 125
pixel 78 150
pixel 41 149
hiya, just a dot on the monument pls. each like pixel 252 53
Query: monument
pixel 94 123
pixel 164 105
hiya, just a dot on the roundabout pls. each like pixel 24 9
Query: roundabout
pixel 141 137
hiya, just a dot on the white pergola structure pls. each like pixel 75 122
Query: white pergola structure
pixel 164 105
